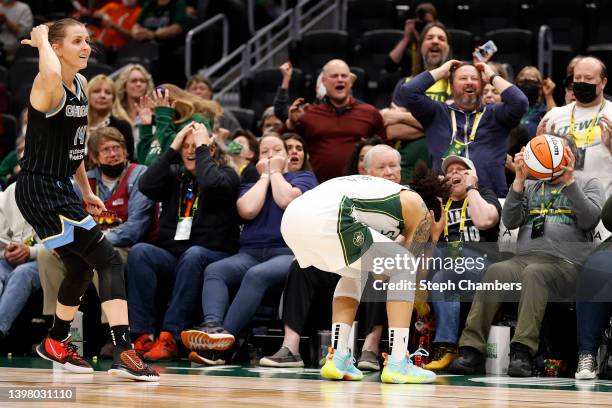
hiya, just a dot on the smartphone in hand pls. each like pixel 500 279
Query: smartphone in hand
pixel 485 51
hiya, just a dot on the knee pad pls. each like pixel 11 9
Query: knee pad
pixel 109 265
pixel 77 279
pixel 349 287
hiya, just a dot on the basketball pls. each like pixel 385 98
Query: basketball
pixel 544 157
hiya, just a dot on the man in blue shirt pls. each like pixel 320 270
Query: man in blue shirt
pixel 466 127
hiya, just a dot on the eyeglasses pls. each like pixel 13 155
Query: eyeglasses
pixel 111 149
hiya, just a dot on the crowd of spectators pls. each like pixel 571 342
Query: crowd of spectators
pixel 195 201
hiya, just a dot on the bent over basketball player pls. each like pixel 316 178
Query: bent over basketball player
pixel 331 227
pixel 54 151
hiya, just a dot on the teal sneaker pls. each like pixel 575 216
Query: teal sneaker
pixel 405 372
pixel 340 367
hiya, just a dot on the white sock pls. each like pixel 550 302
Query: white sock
pixel 340 336
pixel 398 342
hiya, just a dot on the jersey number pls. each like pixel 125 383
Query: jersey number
pixel 79 135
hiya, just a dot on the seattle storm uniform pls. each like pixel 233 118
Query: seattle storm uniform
pixel 55 148
pixel 332 225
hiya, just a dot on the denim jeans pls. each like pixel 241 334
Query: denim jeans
pixel 447 304
pixel 149 266
pixel 16 285
pixel 593 317
pixel 254 270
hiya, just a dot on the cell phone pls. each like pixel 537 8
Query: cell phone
pixel 485 51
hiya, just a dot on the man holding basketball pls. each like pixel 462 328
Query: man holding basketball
pixel 554 220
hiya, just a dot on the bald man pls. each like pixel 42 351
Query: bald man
pixel 332 127
pixel 576 118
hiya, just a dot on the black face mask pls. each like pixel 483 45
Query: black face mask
pixel 112 171
pixel 531 91
pixel 584 92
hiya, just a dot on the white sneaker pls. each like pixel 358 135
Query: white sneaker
pixel 587 367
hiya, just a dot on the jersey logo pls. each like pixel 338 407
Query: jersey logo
pixel 79 135
pixel 358 239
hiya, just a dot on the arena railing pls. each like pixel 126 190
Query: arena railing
pixel 545 51
pixel 274 38
pixel 219 18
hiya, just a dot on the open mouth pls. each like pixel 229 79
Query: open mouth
pixel 435 51
pixel 294 160
pixel 469 91
pixel 340 87
pixel 456 180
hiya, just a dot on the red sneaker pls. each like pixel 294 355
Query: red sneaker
pixel 143 343
pixel 130 366
pixel 163 349
pixel 64 353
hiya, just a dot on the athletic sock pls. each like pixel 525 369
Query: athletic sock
pixel 120 336
pixel 60 329
pixel 398 342
pixel 340 337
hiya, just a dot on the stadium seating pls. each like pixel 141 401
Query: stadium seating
pixel 462 44
pixel 367 15
pixel 373 50
pixel 319 46
pixel 246 117
pixel 257 91
pixel 516 47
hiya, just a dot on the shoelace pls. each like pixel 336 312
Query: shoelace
pixel 419 352
pixel 586 362
pixel 71 349
pixel 147 369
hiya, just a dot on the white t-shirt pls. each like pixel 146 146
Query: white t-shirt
pixel 583 121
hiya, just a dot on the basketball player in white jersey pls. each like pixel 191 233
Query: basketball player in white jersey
pixel 330 228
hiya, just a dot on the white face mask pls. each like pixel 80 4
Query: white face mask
pixel 129 3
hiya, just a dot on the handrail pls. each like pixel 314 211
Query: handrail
pixel 269 40
pixel 545 51
pixel 206 24
pixel 251 14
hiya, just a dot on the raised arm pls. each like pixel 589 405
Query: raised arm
pixel 47 91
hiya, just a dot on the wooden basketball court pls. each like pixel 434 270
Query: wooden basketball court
pixel 186 385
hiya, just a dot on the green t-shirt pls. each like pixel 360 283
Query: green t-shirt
pixel 154 16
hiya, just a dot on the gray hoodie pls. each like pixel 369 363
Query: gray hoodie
pixel 566 236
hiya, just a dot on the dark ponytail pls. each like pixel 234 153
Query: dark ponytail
pixel 430 187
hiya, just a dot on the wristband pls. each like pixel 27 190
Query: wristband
pixel 492 78
pixel 468 188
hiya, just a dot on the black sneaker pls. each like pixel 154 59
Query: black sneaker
pixel 282 358
pixel 207 357
pixel 469 361
pixel 210 336
pixel 129 365
pixel 520 361
pixel 368 361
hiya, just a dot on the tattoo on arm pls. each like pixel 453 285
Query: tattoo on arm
pixel 423 230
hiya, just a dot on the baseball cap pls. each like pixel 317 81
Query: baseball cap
pixel 453 158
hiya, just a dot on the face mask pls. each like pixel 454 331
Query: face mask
pixel 585 92
pixel 112 171
pixel 234 148
pixel 531 91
